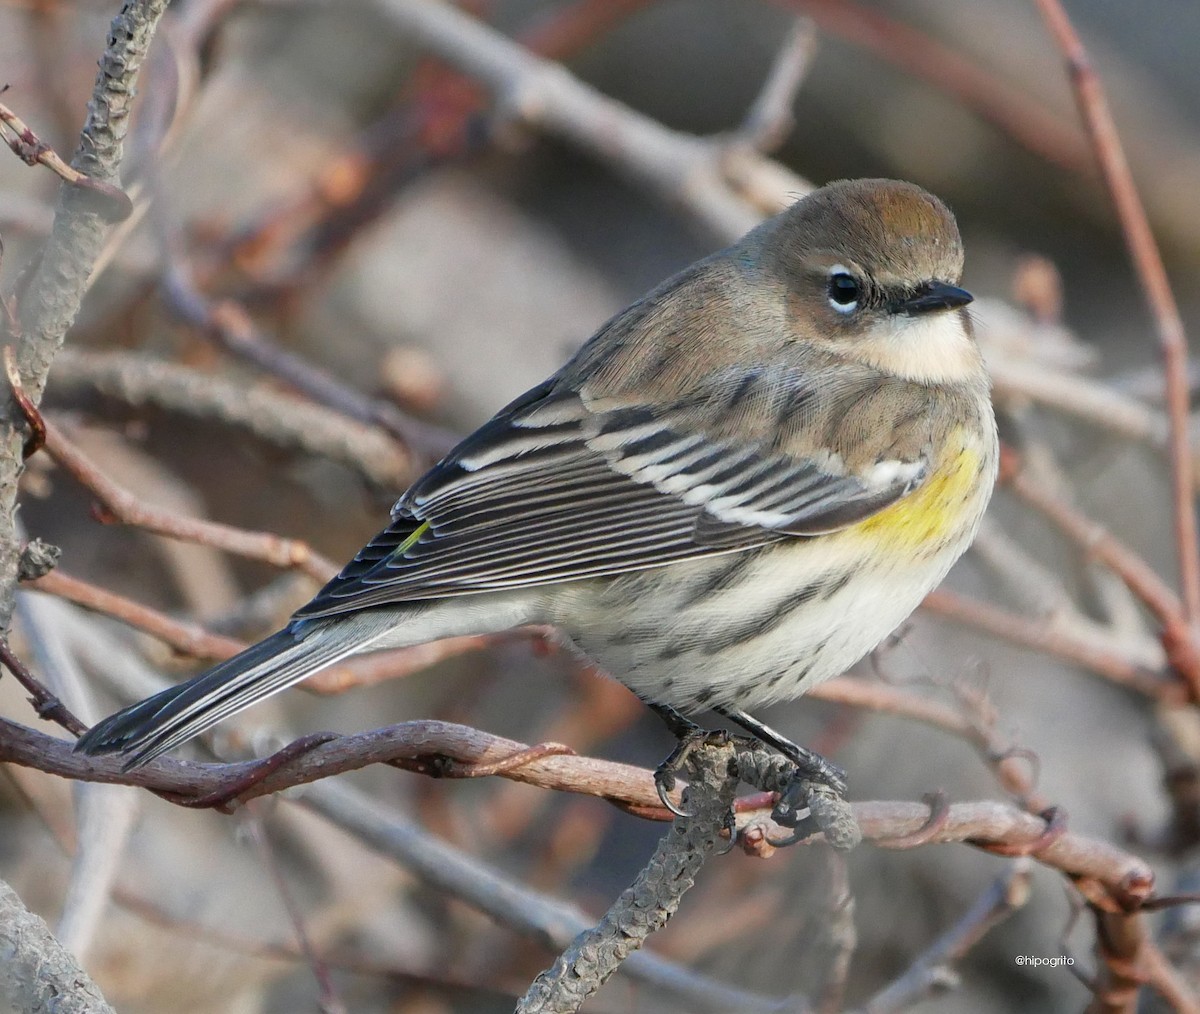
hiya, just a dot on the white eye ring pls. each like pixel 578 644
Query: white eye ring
pixel 843 289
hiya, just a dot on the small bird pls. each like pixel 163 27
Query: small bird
pixel 735 490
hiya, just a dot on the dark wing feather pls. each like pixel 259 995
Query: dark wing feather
pixel 551 490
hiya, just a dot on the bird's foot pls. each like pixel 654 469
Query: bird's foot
pixel 692 741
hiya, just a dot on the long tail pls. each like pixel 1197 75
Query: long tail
pixel 159 723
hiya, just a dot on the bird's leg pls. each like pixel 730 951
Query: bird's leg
pixel 811 797
pixel 809 765
pixel 691 737
pixel 679 724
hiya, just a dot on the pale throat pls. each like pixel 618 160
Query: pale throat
pixel 931 348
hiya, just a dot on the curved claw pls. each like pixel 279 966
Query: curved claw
pixel 731 827
pixel 664 782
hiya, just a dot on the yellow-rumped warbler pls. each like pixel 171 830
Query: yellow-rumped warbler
pixel 736 489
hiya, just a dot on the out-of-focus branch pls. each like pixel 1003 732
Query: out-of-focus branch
pixel 1042 635
pixel 38 973
pixel 1006 895
pixel 1180 639
pixel 1147 260
pixel 279 419
pixel 1016 113
pixel 122 506
pixel 187 638
pixel 551 922
pixel 54 291
pixel 195 641
pixel 680 168
pixel 228 324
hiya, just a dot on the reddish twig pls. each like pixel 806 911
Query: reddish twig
pixel 32 150
pixel 1181 640
pixel 1124 881
pixel 939 813
pixel 432 122
pixel 1043 636
pixel 994 100
pixel 186 638
pixel 1147 260
pixel 122 506
pixel 45 703
pixel 194 641
pixel 443 767
pixel 329 1001
pixel 33 418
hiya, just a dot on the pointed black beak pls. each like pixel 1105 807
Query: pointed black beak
pixel 934 296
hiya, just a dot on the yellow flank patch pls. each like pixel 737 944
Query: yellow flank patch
pixel 932 513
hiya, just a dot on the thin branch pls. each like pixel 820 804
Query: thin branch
pixel 228 324
pixel 551 922
pixel 330 1002
pixel 1181 639
pixel 991 98
pixel 1042 635
pixel 46 704
pixel 1147 260
pixel 122 506
pixel 32 150
pixel 186 638
pixel 770 118
pixel 680 168
pixel 280 419
pixel 1006 895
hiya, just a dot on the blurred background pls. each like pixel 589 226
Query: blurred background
pixel 379 216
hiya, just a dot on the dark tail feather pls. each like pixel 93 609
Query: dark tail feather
pixel 155 725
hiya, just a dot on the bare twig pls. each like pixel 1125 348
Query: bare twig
pixel 1181 639
pixel 551 922
pixel 1147 260
pixel 680 168
pixel 1043 635
pixel 122 506
pixel 1006 895
pixel 186 638
pixel 104 814
pixel 432 121
pixel 227 323
pixel 770 118
pixel 45 703
pixel 329 1000
pixel 1129 960
pixel 32 150
pixel 1016 113
pixel 277 418
pixel 1123 879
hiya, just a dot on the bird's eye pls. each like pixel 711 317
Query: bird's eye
pixel 844 290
